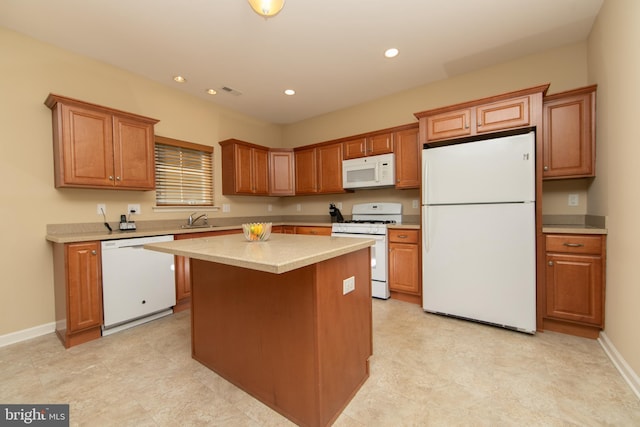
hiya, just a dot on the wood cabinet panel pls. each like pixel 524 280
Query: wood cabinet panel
pixel 408 153
pixel 245 168
pixel 306 171
pixel 569 134
pixel 330 168
pixel 575 284
pixel 282 175
pixel 452 124
pixel 404 264
pixel 511 113
pixel 313 230
pixel 78 292
pixel 368 145
pixel 99 147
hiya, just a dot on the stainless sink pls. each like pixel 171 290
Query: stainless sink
pixel 197 226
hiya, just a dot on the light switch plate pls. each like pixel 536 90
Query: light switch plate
pixel 101 209
pixel 573 200
pixel 133 209
pixel 226 207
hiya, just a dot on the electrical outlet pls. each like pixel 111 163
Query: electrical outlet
pixel 226 207
pixel 348 285
pixel 339 205
pixel 101 209
pixel 298 207
pixel 573 200
pixel 133 209
pixel 269 208
pixel 414 204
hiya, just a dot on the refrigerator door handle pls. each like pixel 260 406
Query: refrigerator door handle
pixel 425 230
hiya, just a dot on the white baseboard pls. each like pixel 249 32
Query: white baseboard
pixel 618 361
pixel 27 334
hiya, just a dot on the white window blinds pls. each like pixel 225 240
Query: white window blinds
pixel 184 173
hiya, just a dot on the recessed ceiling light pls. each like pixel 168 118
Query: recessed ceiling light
pixel 179 79
pixel 289 92
pixel 391 53
pixel 211 91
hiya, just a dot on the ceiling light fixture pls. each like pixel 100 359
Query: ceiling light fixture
pixel 266 8
pixel 211 91
pixel 179 79
pixel 391 53
pixel 289 92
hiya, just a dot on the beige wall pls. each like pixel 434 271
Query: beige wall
pixel 614 64
pixel 30 201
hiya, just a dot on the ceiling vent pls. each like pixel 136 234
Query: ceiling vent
pixel 231 90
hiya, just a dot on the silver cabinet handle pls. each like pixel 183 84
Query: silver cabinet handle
pixel 117 178
pixel 93 252
pixel 546 168
pixel 573 245
pixel 110 177
pixel 402 236
pixel 550 263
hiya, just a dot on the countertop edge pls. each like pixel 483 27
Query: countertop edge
pixel 572 229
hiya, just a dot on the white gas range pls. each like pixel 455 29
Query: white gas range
pixel 370 220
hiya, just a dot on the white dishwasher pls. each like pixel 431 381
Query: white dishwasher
pixel 138 285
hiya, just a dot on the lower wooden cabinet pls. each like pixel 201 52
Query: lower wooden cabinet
pixel 404 265
pixel 183 270
pixel 313 230
pixel 78 291
pixel 575 284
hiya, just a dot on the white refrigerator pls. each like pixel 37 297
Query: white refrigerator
pixel 479 246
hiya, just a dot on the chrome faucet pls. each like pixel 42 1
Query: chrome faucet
pixel 192 221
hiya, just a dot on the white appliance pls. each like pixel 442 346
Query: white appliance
pixel 370 220
pixel 479 248
pixel 369 172
pixel 138 285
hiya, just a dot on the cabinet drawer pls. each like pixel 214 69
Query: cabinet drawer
pixel 575 244
pixel 404 236
pixel 314 231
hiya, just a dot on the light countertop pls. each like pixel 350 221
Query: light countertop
pixel 279 254
pixel 572 229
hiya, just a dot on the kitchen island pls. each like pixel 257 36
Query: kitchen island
pixel 276 319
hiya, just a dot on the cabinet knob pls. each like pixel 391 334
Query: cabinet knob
pixel 110 177
pixel 93 252
pixel 546 168
pixel 550 263
pixel 117 178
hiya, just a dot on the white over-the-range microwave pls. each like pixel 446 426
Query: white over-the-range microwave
pixel 369 172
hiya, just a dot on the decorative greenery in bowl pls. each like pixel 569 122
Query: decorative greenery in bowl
pixel 257 231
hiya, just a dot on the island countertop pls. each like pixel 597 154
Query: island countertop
pixel 279 254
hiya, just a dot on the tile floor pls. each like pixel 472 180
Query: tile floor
pixel 426 370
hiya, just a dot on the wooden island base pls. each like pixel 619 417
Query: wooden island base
pixel 291 340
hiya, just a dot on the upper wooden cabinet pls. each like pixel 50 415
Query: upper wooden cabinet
pixel 318 169
pixel 368 146
pixel 569 136
pixel 245 168
pixel 281 172
pixel 99 147
pixel 408 154
pixel 506 111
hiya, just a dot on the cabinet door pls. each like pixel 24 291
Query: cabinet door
pixel 355 148
pixel 569 136
pixel 85 153
pixel 451 124
pixel 282 173
pixel 330 168
pixel 84 286
pixel 574 288
pixel 408 152
pixel 260 171
pixel 133 153
pixel 243 166
pixel 306 172
pixel 500 115
pixel 404 266
pixel 380 144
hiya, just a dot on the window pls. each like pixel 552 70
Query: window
pixel 184 173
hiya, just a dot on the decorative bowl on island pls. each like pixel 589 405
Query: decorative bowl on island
pixel 257 231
